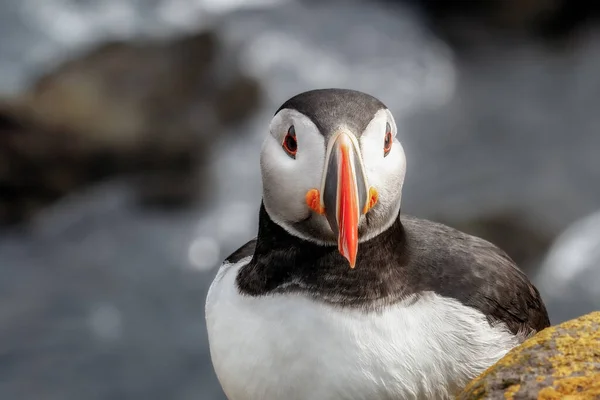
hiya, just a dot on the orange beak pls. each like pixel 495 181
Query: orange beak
pixel 344 194
pixel 347 206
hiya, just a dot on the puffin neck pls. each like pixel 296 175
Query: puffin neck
pixel 271 237
pixel 284 263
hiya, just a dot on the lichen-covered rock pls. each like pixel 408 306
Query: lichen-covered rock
pixel 560 362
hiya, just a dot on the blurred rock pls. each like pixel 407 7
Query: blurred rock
pixel 233 103
pixel 524 242
pixel 558 363
pixel 147 109
pixel 464 23
pixel 569 278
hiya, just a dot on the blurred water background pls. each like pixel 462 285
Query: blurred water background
pixel 130 133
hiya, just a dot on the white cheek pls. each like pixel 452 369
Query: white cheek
pixel 385 173
pixel 381 169
pixel 287 180
pixel 396 164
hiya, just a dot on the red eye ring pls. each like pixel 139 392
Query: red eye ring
pixel 387 144
pixel 290 144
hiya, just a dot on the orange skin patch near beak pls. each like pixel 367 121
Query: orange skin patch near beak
pixel 373 197
pixel 313 201
pixel 347 208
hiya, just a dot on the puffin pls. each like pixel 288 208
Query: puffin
pixel 342 296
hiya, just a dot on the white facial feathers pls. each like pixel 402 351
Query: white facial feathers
pixel 386 174
pixel 286 180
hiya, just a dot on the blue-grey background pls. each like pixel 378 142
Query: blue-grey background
pixel 102 297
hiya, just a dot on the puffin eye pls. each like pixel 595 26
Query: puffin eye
pixel 290 144
pixel 387 144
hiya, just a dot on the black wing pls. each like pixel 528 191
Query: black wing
pixel 243 252
pixel 477 273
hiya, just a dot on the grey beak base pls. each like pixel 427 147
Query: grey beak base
pixel 332 175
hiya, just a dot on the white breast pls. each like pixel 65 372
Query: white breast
pixel 291 347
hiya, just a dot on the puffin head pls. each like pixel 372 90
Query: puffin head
pixel 332 168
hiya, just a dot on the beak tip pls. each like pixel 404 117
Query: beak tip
pixel 351 257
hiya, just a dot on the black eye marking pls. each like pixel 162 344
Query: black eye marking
pixel 389 139
pixel 290 144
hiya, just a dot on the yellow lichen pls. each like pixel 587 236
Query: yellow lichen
pixel 575 388
pixel 511 391
pixel 563 359
pixel 572 353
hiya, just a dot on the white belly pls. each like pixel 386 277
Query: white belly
pixel 290 347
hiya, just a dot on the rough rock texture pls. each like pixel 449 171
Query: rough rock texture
pixel 150 110
pixel 561 362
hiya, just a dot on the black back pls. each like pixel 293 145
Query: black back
pixel 409 259
pixel 328 108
